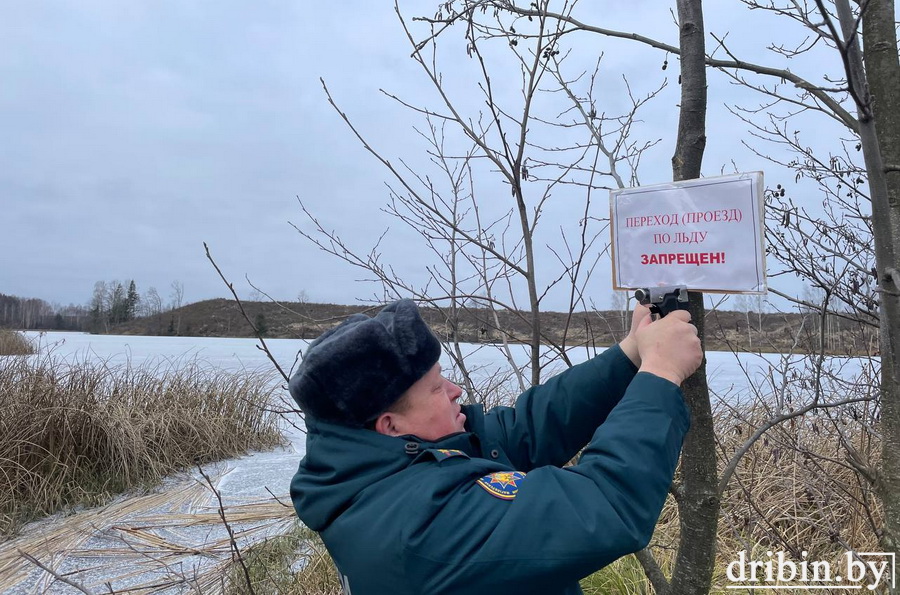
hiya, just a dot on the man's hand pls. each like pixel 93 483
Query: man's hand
pixel 669 347
pixel 629 344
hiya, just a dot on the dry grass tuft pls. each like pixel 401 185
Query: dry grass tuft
pixel 623 577
pixel 74 433
pixel 13 343
pixel 296 563
pixel 795 490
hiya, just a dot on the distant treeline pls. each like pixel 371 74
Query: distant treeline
pixel 118 308
pixel 37 314
pixel 112 303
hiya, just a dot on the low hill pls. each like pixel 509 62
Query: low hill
pixel 725 330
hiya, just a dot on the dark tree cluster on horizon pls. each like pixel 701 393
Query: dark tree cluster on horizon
pixel 112 303
pixel 37 314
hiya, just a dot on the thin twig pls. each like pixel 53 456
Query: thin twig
pixel 265 348
pixel 277 499
pixel 234 546
pixel 760 431
pixel 56 575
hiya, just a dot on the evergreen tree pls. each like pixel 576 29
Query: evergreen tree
pixel 262 327
pixel 132 299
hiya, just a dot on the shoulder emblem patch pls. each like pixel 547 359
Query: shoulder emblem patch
pixel 502 484
pixel 442 454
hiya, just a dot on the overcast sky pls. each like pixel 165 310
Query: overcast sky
pixel 134 131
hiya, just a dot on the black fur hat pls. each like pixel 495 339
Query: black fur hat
pixel 358 369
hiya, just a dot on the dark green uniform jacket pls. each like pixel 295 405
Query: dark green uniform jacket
pixel 490 510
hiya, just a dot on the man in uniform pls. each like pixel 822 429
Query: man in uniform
pixel 415 494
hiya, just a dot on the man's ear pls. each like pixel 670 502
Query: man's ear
pixel 385 424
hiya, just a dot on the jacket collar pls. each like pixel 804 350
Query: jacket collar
pixel 341 462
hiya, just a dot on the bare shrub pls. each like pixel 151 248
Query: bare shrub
pixel 793 490
pixel 75 433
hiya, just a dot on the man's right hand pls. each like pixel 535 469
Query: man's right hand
pixel 669 347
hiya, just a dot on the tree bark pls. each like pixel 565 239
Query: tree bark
pixel 698 500
pixel 882 70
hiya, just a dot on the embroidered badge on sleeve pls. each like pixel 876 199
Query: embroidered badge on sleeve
pixel 502 484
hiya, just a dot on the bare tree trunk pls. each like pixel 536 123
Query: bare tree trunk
pixel 883 70
pixel 697 497
pixel 534 303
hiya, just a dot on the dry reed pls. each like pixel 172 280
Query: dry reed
pixel 13 343
pixel 74 433
pixel 144 544
pixel 793 491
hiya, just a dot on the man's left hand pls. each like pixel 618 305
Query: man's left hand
pixel 639 316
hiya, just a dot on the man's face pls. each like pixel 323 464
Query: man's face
pixel 432 410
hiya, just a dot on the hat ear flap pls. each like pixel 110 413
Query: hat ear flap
pixel 305 390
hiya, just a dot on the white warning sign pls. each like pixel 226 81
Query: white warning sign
pixel 705 234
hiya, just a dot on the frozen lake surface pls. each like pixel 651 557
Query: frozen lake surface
pixel 732 377
pixel 100 545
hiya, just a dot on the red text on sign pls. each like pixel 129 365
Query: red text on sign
pixel 695 258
